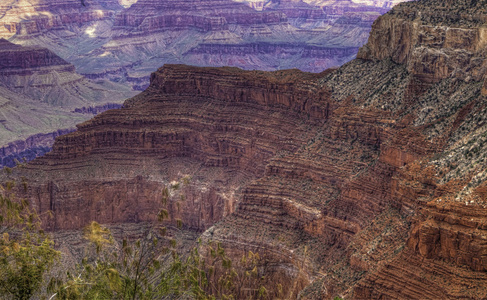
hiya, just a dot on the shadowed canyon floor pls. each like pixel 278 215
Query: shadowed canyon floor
pixel 367 181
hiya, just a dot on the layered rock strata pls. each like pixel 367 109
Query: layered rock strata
pixel 321 173
pixel 24 17
pixel 231 33
pixel 104 40
pixel 367 181
pixel 218 127
pixel 205 102
pixel 202 15
pixel 38 92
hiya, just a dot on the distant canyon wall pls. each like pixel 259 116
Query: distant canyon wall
pixel 26 150
pixel 125 42
pixel 40 94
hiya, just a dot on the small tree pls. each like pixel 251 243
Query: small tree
pixel 147 268
pixel 152 268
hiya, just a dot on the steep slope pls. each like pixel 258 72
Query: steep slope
pixel 446 245
pixel 39 92
pixel 366 181
pixel 219 127
pixel 125 45
pixel 195 127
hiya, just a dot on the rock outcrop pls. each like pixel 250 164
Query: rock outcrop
pixel 431 52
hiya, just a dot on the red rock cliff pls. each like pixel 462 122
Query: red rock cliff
pixel 187 118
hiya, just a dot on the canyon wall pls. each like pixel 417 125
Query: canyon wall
pixel 39 94
pixel 187 125
pixel 105 40
pixel 23 17
pixel 446 244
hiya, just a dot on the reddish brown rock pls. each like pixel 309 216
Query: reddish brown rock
pixel 201 99
pixel 429 51
pixel 315 183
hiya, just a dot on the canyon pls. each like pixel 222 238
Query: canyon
pixel 366 181
pixel 79 56
pixel 124 41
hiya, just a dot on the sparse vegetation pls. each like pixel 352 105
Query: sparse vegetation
pixel 150 267
pixel 26 252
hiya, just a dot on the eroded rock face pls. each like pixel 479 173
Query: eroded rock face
pixel 446 242
pixel 290 162
pixel 24 17
pixel 432 51
pixel 185 111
